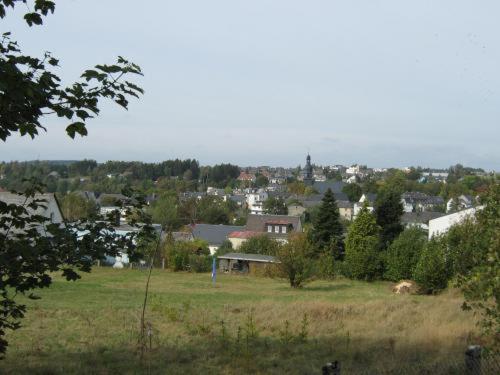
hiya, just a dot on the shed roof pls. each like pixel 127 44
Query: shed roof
pixel 249 257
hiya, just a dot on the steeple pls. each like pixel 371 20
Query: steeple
pixel 307 172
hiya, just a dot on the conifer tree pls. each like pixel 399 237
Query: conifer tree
pixel 361 248
pixel 327 232
pixel 388 211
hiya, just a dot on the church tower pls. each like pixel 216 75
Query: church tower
pixel 307 172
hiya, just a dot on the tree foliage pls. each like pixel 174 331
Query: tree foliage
pixel 327 230
pixel 31 247
pixel 295 259
pixel 275 206
pixel 353 192
pixel 259 245
pixel 74 207
pixel 388 211
pixel 403 254
pixel 362 258
pixel 431 273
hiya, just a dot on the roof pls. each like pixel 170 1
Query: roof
pixel 214 234
pixel 244 234
pixel 335 186
pixel 257 223
pixel 420 217
pixel 20 200
pixel 249 257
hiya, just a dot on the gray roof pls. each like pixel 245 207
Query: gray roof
pixel 420 217
pixel 257 223
pixel 322 186
pixel 20 200
pixel 249 257
pixel 214 234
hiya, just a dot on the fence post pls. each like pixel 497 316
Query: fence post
pixel 98 263
pixel 331 368
pixel 162 263
pixel 473 360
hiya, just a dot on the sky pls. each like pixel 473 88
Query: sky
pixel 387 83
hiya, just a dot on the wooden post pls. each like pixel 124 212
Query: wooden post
pixel 98 263
pixel 331 368
pixel 473 360
pixel 162 263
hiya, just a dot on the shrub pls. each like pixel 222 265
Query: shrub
pixel 403 254
pixel 295 260
pixel 430 272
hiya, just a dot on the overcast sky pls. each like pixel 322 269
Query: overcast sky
pixel 262 82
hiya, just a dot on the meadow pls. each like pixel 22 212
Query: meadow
pixel 243 324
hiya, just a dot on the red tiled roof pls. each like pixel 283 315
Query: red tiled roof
pixel 244 234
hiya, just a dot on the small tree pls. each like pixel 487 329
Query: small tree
pixel 430 272
pixel 353 192
pixel 403 254
pixel 275 206
pixel 295 260
pixel 327 231
pixel 362 243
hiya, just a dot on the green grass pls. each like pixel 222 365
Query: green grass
pixel 91 326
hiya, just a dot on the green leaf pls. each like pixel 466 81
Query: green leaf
pixel 33 19
pixel 76 127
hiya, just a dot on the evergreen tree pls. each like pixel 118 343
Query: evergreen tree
pixel 388 211
pixel 327 231
pixel 361 248
pixel 403 254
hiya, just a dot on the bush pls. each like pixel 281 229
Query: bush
pixel 403 254
pixel 259 245
pixel 431 272
pixel 295 260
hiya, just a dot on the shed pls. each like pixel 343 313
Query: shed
pixel 245 263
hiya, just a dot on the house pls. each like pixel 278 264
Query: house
pixel 50 210
pixel 369 198
pixel 443 224
pixel 275 226
pixel 255 201
pixel 419 219
pixel 460 203
pixel 214 234
pixel 245 263
pixel 239 199
pixel 246 177
pixel 415 201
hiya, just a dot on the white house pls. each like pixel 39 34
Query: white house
pixel 369 198
pixel 255 201
pixel 460 203
pixel 444 223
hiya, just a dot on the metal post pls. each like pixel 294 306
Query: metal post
pixel 473 360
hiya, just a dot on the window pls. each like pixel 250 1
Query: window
pixel 276 229
pixel 52 217
pixel 283 229
pixel 269 228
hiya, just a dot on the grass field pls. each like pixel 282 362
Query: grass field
pixel 242 325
